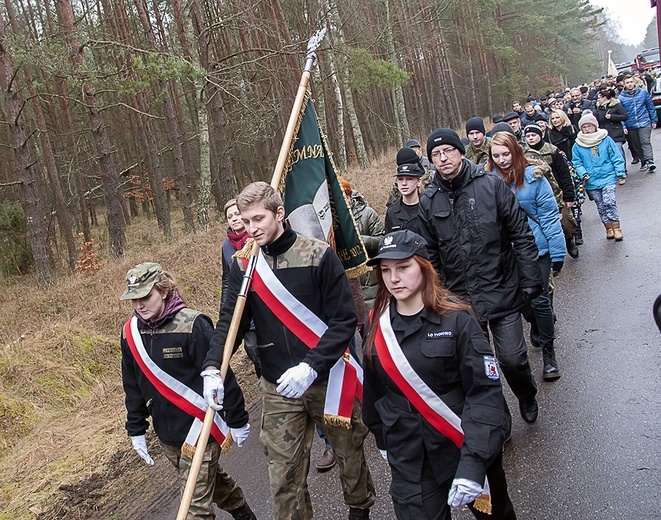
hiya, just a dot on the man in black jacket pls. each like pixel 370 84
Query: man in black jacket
pixel 483 249
pixel 305 277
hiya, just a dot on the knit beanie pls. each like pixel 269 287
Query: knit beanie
pixel 533 129
pixel 407 155
pixel 475 123
pixel 588 119
pixel 444 136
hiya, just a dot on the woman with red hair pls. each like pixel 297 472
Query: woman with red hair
pixel 536 198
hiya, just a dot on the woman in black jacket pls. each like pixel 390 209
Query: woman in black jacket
pixel 610 113
pixel 163 347
pixel 562 133
pixel 432 392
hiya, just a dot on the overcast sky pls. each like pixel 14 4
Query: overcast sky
pixel 630 17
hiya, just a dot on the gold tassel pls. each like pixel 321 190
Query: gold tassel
pixel 227 443
pixel 483 504
pixel 187 450
pixel 336 420
pixel 245 251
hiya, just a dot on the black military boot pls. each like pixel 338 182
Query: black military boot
pixel 243 513
pixel 578 237
pixel 571 247
pixel 550 372
pixel 358 514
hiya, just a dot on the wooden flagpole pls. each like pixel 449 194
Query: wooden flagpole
pixel 310 60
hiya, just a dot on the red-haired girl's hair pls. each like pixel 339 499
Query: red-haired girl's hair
pixel 516 175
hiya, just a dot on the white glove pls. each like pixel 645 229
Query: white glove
pixel 213 388
pixel 140 446
pixel 295 381
pixel 384 454
pixel 240 434
pixel 463 491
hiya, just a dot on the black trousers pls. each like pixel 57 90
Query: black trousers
pixel 428 500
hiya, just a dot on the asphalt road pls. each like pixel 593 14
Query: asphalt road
pixel 594 451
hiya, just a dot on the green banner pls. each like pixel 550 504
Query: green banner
pixel 315 204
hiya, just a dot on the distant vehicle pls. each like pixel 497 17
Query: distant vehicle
pixel 648 59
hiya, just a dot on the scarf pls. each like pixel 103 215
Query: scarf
pixel 591 140
pixel 173 304
pixel 237 240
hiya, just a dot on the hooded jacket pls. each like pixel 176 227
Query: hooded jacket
pixel 639 107
pixel 537 200
pixel 479 240
pixel 600 165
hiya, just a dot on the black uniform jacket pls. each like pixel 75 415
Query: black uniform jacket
pixel 312 272
pixel 479 240
pixel 178 346
pixel 397 218
pixel 448 353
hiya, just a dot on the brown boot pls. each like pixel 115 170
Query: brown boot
pixel 609 230
pixel 617 232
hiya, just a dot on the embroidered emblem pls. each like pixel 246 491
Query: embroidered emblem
pixel 491 367
pixel 387 241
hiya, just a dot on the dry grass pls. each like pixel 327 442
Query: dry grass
pixel 61 400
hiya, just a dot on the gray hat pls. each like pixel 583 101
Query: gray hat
pixel 413 143
pixel 140 280
pixel 399 245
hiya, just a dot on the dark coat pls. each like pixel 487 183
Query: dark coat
pixel 613 125
pixel 186 337
pixel 564 139
pixel 479 240
pixel 397 218
pixel 312 272
pixel 452 364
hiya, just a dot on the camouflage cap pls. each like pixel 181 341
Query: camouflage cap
pixel 140 280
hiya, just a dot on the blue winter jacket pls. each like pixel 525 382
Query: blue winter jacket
pixel 640 108
pixel 602 163
pixel 537 200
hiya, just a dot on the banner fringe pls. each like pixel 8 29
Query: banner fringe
pixel 227 443
pixel 336 420
pixel 483 504
pixel 188 450
pixel 299 119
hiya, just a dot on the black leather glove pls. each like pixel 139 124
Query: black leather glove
pixel 557 267
pixel 530 293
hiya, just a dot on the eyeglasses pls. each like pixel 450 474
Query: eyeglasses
pixel 436 154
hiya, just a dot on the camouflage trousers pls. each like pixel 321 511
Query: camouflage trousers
pixel 213 483
pixel 287 433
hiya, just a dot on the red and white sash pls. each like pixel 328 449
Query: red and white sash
pixel 345 380
pixel 180 395
pixel 423 398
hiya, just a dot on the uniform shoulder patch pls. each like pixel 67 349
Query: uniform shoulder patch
pixel 491 367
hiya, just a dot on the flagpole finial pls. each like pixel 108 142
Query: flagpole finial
pixel 313 43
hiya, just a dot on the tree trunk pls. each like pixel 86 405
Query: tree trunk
pixel 401 121
pixel 29 170
pixel 175 133
pixel 109 176
pixel 336 24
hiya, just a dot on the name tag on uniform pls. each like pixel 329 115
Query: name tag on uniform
pixel 440 334
pixel 173 353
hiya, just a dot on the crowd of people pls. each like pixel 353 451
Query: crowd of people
pixel 475 231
